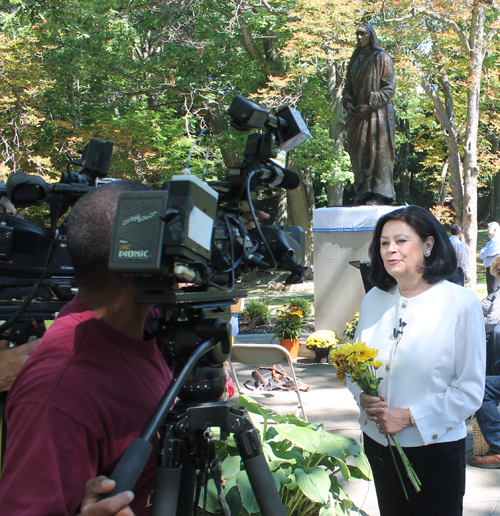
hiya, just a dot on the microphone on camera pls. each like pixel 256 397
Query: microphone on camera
pixel 274 175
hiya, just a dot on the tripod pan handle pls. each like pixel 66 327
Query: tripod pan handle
pixel 130 466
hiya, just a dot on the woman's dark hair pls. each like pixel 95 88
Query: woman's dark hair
pixel 442 262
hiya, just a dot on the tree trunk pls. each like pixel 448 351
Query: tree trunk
pixel 298 213
pixel 335 189
pixel 442 190
pixel 446 119
pixel 469 222
pixel 309 189
pixel 282 215
pixel 404 154
pixel 218 121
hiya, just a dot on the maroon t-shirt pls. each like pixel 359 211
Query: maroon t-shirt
pixel 85 393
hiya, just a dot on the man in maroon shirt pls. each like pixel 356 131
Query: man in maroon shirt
pixel 88 389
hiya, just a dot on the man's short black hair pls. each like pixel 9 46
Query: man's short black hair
pixel 442 262
pixel 89 235
pixel 455 229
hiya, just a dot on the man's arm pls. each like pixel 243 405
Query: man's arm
pixel 484 251
pixel 11 360
pixel 116 505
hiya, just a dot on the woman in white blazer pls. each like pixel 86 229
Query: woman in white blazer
pixel 431 340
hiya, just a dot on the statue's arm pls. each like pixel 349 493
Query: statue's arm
pixel 385 94
pixel 347 94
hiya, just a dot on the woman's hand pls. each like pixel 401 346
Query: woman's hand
pixel 372 405
pixel 389 420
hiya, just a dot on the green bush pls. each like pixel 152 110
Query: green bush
pixel 256 312
pixel 306 463
pixel 303 304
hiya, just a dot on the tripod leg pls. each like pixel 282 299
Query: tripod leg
pixel 173 471
pixel 248 444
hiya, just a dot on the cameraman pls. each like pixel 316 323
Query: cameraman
pixel 88 389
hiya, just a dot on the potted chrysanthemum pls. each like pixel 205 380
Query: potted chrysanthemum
pixel 288 328
pixel 321 342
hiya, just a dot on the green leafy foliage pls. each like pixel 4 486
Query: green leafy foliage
pixel 290 322
pixel 256 312
pixel 305 461
pixel 303 304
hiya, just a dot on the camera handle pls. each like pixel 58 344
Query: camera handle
pixel 137 454
pixel 184 440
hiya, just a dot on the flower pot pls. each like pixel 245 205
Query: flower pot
pixel 292 345
pixel 320 354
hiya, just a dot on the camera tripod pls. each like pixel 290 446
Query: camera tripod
pixel 185 445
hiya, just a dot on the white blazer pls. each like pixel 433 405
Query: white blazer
pixel 437 366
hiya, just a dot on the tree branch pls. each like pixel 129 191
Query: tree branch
pixel 415 12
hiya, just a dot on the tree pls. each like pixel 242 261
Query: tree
pixel 461 37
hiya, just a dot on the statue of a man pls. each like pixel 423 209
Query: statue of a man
pixel 371 121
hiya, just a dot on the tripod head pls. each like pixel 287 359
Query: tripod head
pixel 197 334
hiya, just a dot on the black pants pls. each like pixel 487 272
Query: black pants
pixel 440 468
pixel 459 277
pixel 492 283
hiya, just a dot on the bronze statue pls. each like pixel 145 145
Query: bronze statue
pixel 371 121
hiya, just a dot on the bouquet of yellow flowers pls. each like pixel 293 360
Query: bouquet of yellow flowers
pixel 357 361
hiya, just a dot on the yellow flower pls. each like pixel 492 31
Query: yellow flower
pixel 377 363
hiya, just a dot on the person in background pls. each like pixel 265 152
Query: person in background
pixel 88 389
pixel 462 273
pixel 488 419
pixel 488 253
pixel 491 303
pixel 430 337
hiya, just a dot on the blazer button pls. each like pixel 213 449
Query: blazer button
pixel 387 367
pixel 449 429
pixel 435 437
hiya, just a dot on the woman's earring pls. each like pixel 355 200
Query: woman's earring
pixel 427 253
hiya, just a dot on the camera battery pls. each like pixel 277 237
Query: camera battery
pixel 6 239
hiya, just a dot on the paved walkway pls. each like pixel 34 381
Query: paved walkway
pixel 330 403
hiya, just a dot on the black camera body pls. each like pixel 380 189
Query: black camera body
pixel 34 260
pixel 192 232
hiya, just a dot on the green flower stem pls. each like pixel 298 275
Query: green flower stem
pixel 409 470
pixel 397 468
pixel 365 382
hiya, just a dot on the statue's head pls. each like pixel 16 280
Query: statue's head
pixel 366 36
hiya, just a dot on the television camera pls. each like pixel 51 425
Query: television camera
pixel 34 263
pixel 185 247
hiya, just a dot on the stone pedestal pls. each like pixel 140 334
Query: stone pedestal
pixel 341 235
